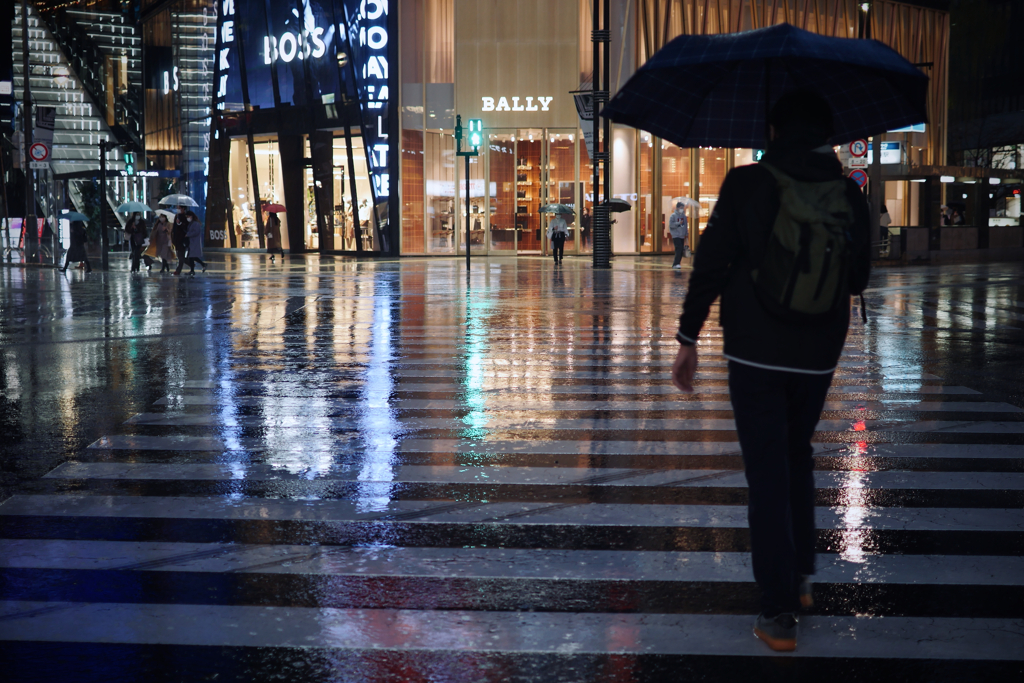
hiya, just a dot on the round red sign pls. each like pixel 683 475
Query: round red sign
pixel 39 152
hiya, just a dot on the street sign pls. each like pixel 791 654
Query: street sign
pixel 39 152
pixel 859 148
pixel 857 162
pixel 860 177
pixel 39 165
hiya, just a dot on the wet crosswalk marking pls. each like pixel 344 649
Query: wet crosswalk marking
pixel 292 429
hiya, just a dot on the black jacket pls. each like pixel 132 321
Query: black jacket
pixel 178 230
pixel 736 235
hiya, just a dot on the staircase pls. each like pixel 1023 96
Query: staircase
pixel 80 125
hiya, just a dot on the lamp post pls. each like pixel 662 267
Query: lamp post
pixel 474 138
pixel 601 83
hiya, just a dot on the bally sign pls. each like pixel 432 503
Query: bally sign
pixel 488 104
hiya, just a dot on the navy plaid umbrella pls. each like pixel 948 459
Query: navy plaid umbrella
pixel 715 91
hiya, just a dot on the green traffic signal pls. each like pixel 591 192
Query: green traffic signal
pixel 476 133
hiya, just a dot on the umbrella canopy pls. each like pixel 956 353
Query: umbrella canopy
pixel 274 208
pixel 169 215
pixel 687 201
pixel 73 216
pixel 716 91
pixel 557 208
pixel 617 205
pixel 178 200
pixel 133 207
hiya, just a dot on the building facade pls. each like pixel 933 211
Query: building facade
pixel 338 116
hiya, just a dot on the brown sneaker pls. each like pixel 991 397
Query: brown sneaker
pixel 779 632
pixel 806 591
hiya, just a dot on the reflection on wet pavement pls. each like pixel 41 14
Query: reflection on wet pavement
pixel 386 471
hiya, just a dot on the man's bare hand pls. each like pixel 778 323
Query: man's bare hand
pixel 684 368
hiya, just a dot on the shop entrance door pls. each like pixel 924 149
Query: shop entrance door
pixel 523 170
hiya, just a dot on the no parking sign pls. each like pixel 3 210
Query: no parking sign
pixel 859 177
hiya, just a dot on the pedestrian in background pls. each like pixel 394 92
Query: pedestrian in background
pixel 194 237
pixel 135 229
pixel 558 231
pixel 784 327
pixel 160 244
pixel 274 235
pixel 76 250
pixel 178 238
pixel 678 230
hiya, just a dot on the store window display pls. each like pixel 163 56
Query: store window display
pixel 245 200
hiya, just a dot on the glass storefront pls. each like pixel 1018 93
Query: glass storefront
pixel 284 87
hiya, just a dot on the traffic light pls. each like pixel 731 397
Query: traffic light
pixel 129 163
pixel 475 138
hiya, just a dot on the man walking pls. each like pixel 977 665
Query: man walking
pixel 678 230
pixel 179 237
pixel 786 245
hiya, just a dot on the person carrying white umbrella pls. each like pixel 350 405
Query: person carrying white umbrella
pixel 180 226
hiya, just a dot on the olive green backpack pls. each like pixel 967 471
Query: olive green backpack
pixel 803 275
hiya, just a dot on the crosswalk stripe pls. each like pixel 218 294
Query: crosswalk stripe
pixel 533 476
pixel 583 514
pixel 288 405
pixel 525 632
pixel 567 565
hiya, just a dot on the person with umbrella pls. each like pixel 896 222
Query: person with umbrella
pixel 79 238
pixel 160 243
pixel 273 228
pixel 678 230
pixel 179 239
pixel 558 227
pixel 194 241
pixel 180 225
pixel 786 245
pixel 135 230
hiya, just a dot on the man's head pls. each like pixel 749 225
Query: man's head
pixel 802 113
pixel 680 206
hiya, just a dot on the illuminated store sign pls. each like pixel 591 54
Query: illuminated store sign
pixel 226 36
pixel 310 43
pixel 369 33
pixel 488 104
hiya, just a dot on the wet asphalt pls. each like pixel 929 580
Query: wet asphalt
pixel 327 469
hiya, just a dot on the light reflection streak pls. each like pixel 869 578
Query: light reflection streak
pixel 378 425
pixel 853 496
pixel 476 419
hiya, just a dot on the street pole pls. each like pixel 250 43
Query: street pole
pixel 475 139
pixel 7 212
pixel 104 258
pixel 600 85
pixel 467 216
pixel 31 237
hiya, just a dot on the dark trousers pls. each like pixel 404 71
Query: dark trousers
pixel 85 260
pixel 136 255
pixel 179 250
pixel 776 413
pixel 558 246
pixel 192 261
pixel 680 245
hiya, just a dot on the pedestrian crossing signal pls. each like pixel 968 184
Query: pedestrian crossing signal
pixel 129 163
pixel 476 134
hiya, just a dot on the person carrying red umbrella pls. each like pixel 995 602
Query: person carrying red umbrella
pixel 273 230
